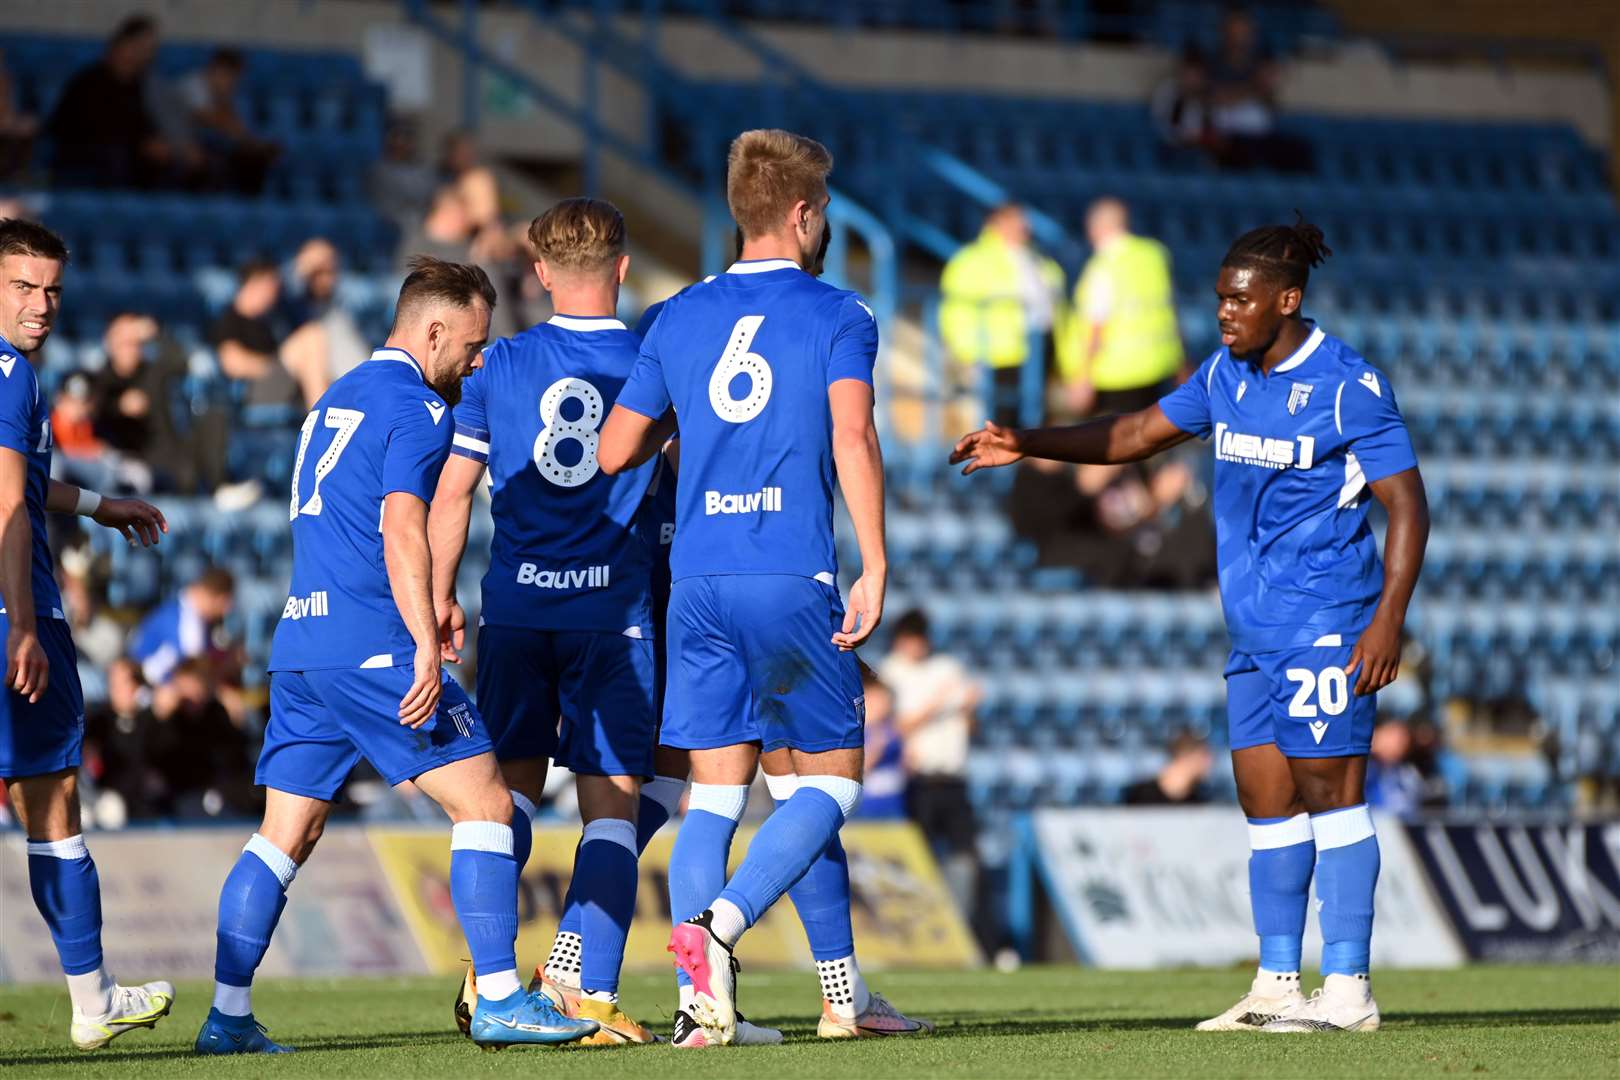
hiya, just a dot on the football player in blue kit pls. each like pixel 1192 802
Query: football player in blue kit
pixel 42 706
pixel 769 371
pixel 566 624
pixel 355 666
pixel 1305 434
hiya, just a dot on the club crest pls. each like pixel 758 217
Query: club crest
pixel 1298 397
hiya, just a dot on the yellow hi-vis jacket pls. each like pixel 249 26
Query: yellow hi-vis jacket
pixel 1139 346
pixel 981 310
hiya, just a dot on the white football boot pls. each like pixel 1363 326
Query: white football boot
pixel 1271 995
pixel 1345 1003
pixel 132 1007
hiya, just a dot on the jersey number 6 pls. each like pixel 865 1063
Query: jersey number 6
pixel 737 360
pixel 554 429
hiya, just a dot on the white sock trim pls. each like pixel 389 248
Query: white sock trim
pixel 846 793
pixel 728 921
pixel 71 848
pixel 523 803
pixel 782 787
pixel 92 993
pixel 1280 834
pixel 1341 828
pixel 233 1000
pixel 725 800
pixel 614 831
pixel 498 985
pixel 279 862
pixel 666 791
pixel 489 836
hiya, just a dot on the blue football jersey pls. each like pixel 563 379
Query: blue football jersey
pixel 746 360
pixel 1294 453
pixel 568 551
pixel 25 426
pixel 377 430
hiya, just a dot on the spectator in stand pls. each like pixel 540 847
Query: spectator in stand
pixel 246 342
pixel 200 751
pixel 1181 107
pixel 119 736
pixel 883 789
pixel 999 297
pixel 461 171
pixel 102 132
pixel 97 636
pixel 73 429
pixel 185 627
pixel 402 187
pixel 1243 80
pixel 934 701
pixel 1121 348
pixel 327 342
pixel 235 158
pixel 1394 783
pixel 1180 782
pixel 17 130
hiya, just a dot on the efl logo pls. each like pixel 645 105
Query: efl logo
pixel 1256 450
pixel 590 577
pixel 754 502
pixel 307 607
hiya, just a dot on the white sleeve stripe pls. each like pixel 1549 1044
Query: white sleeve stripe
pixel 1209 380
pixel 1337 397
pixel 467 442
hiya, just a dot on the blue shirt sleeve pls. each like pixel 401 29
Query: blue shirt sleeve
pixel 416 452
pixel 472 422
pixel 1187 406
pixel 644 391
pixel 854 342
pixel 1369 419
pixel 17 399
pixel 645 324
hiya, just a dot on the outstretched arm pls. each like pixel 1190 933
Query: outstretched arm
pixel 447 538
pixel 1377 654
pixel 135 519
pixel 629 439
pixel 859 460
pixel 1107 440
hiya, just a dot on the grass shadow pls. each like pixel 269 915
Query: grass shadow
pixel 379 1041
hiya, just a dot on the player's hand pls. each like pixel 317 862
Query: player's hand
pixel 452 630
pixel 135 519
pixel 985 449
pixel 419 705
pixel 1377 656
pixel 27 670
pixel 863 613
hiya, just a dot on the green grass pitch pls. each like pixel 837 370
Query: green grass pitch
pixel 1058 1022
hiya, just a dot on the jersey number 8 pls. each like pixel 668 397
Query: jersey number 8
pixel 554 430
pixel 737 360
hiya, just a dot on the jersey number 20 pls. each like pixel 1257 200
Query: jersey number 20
pixel 1331 687
pixel 738 360
pixel 554 430
pixel 346 421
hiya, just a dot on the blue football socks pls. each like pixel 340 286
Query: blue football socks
pixel 1282 856
pixel 1347 863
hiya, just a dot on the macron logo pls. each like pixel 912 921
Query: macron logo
pixel 307 607
pixel 7 362
pixel 435 410
pixel 764 500
pixel 589 577
pixel 1318 729
pixel 1368 379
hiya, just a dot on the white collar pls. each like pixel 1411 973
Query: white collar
pixel 762 266
pixel 390 353
pixel 574 322
pixel 1302 353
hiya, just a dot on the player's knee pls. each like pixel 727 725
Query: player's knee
pixel 1330 783
pixel 608 797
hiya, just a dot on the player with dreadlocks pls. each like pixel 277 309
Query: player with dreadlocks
pixel 1303 429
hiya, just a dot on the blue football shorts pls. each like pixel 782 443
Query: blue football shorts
pixel 47 735
pixel 582 698
pixel 1301 699
pixel 751 659
pixel 322 722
